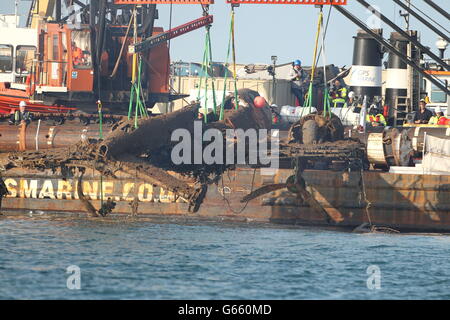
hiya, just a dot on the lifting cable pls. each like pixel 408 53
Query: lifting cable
pixel 325 32
pixel 100 121
pixel 326 98
pixel 237 211
pixel 231 46
pixel 321 31
pixel 308 102
pixel 100 117
pixel 116 66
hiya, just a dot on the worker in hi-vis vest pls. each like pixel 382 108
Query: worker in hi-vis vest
pixel 77 55
pixel 20 116
pixel 338 94
pixel 376 118
pixel 437 119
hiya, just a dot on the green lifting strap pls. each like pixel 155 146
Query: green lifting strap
pixel 326 103
pixel 206 67
pixel 231 46
pixel 137 98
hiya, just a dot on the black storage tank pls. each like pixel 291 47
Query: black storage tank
pixel 365 75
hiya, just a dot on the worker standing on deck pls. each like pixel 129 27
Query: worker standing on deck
pixel 376 118
pixel 299 81
pixel 229 103
pixel 351 98
pixel 424 115
pixel 338 94
pixel 21 115
pixel 437 118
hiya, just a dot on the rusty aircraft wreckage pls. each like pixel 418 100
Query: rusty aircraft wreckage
pixel 60 164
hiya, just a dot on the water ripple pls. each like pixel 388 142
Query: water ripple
pixel 154 260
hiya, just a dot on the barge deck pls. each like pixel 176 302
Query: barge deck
pixel 404 202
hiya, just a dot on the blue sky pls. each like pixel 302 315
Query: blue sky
pixel 287 31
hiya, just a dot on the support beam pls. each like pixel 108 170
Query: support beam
pixel 58 10
pixel 100 38
pixel 389 47
pixel 82 9
pixel 424 21
pixel 170 34
pixel 163 1
pixel 404 34
pixel 438 8
pixel 149 21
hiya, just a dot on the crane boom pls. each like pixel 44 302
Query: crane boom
pixel 315 2
pixel 163 1
pixel 170 34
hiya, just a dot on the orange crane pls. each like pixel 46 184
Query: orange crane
pixel 74 65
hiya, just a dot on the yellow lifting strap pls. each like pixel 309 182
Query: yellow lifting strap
pixel 233 45
pixel 319 24
pixel 308 102
pixel 135 57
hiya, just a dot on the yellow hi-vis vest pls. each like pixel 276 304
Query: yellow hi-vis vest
pixel 378 118
pixel 341 98
pixel 434 120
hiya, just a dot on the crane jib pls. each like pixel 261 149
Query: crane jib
pixel 170 34
pixel 163 1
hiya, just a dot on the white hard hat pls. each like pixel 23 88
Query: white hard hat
pixel 438 109
pixel 351 94
pixel 22 104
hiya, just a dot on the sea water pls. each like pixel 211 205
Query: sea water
pixel 146 259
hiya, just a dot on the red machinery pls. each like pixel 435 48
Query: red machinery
pixel 75 65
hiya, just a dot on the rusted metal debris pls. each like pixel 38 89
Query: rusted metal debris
pixel 3 192
pixel 151 133
pixel 348 149
pixel 128 149
pixel 295 184
pixel 316 128
pixel 314 138
pixel 144 152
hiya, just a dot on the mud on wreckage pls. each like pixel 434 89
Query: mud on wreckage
pixel 140 157
pixel 136 152
pixel 316 141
